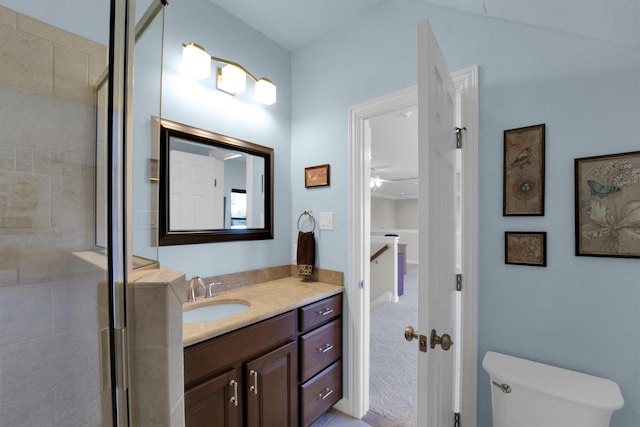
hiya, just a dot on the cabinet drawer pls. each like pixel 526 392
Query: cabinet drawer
pixel 320 312
pixel 320 393
pixel 320 348
pixel 205 359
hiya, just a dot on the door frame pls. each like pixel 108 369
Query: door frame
pixel 357 289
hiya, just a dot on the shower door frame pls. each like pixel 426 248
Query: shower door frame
pixel 119 198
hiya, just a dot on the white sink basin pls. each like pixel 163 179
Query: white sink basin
pixel 214 311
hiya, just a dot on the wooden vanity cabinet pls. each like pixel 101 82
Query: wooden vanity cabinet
pixel 221 376
pixel 284 371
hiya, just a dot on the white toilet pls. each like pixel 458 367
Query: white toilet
pixel 531 394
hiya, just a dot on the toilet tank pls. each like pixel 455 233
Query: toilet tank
pixel 531 394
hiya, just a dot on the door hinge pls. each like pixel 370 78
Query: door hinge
pixel 121 354
pixel 456 419
pixel 458 282
pixel 459 136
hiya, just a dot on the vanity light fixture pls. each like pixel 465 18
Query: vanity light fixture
pixel 231 78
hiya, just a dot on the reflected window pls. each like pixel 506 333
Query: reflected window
pixel 238 208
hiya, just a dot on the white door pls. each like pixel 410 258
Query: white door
pixel 195 200
pixel 437 270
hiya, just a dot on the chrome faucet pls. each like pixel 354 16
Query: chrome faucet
pixel 191 297
pixel 210 289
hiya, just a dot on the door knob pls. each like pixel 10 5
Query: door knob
pixel 444 341
pixel 410 334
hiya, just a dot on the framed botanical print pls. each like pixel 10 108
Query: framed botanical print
pixel 607 205
pixel 525 248
pixel 523 182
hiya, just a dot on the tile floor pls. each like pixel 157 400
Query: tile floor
pixel 333 418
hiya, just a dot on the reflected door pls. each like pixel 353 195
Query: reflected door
pixel 196 192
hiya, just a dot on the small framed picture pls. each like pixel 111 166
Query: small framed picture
pixel 525 248
pixel 523 182
pixel 316 176
pixel 607 198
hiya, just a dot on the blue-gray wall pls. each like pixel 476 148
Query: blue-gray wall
pixel 580 313
pixel 200 104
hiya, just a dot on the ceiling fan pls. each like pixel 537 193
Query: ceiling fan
pixel 377 181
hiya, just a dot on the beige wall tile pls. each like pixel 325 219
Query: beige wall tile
pixel 8 151
pixel 7 164
pixel 34 410
pixel 8 17
pixel 42 161
pixel 97 66
pixel 48 342
pixel 74 305
pixel 28 367
pixel 56 35
pixel 30 197
pixel 151 316
pixel 78 402
pixel 23 165
pixel 71 74
pixel 177 415
pixel 26 62
pixel 27 310
pixel 152 369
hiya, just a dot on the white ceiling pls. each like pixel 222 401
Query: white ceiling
pixel 295 23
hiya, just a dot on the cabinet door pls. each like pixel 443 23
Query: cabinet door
pixel 214 403
pixel 272 395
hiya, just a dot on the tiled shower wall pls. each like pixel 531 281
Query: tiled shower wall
pixel 48 296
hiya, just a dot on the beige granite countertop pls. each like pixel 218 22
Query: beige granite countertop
pixel 266 300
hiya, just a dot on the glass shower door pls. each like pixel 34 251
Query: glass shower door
pixel 59 306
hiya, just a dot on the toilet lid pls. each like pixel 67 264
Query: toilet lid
pixel 570 385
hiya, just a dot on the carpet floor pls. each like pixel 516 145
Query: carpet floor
pixel 394 361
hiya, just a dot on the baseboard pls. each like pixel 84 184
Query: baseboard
pixel 343 406
pixel 386 297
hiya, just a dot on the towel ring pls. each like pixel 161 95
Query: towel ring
pixel 312 219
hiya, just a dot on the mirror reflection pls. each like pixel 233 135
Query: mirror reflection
pixel 212 187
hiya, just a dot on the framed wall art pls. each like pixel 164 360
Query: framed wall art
pixel 523 183
pixel 316 176
pixel 525 248
pixel 607 205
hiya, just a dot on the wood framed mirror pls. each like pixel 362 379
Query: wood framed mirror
pixel 212 187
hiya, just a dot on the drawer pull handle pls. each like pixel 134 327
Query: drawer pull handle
pixel 234 398
pixel 254 387
pixel 328 392
pixel 327 347
pixel 325 311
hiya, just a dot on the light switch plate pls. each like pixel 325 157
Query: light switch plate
pixel 326 220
